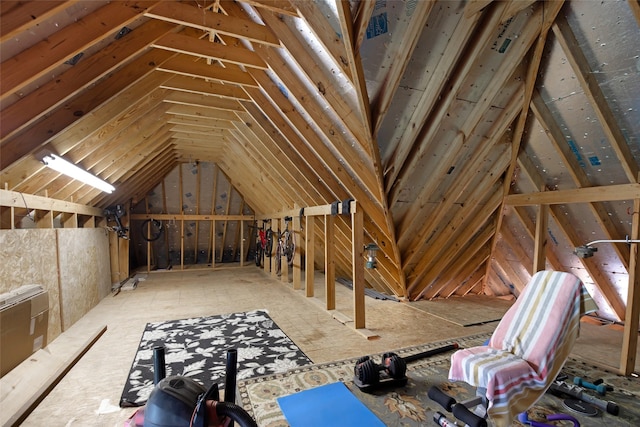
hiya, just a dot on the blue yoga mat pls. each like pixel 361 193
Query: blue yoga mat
pixel 328 405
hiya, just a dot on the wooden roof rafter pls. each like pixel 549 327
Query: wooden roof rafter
pixel 596 97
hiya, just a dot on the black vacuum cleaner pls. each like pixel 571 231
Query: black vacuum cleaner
pixel 178 401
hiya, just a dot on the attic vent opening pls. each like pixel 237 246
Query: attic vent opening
pixel 123 32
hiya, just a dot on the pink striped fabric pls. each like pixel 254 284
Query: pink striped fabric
pixel 528 347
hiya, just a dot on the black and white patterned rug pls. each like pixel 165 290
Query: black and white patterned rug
pixel 197 348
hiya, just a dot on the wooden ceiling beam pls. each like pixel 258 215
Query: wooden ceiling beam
pixel 40 59
pixel 531 77
pixel 421 255
pixel 604 193
pixel 597 99
pixel 19 16
pixel 297 174
pixel 361 21
pixel 634 5
pixel 403 53
pixel 463 224
pixel 85 103
pixel 203 101
pixel 450 73
pixel 113 159
pixel 183 110
pixel 282 7
pixel 309 65
pixel 359 84
pixel 580 178
pixel 471 272
pixel 30 108
pixel 292 146
pixel 410 226
pixel 502 72
pixel 325 34
pixel 187 45
pixel 568 229
pixel 206 20
pixel 200 124
pixel 199 86
pixel 184 65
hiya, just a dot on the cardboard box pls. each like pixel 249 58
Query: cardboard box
pixel 24 320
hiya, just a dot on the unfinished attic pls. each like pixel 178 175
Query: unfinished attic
pixel 396 153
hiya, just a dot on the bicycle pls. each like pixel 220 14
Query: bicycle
pixel 286 246
pixel 264 243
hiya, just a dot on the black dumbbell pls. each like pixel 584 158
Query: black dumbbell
pixel 368 372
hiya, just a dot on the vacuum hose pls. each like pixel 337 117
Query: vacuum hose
pixel 236 413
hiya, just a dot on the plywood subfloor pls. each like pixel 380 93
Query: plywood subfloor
pixel 465 311
pixel 88 395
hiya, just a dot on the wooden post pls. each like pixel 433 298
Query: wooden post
pixel 242 254
pixel 632 312
pixel 310 254
pixel 297 239
pixel 329 263
pixel 357 243
pixel 540 244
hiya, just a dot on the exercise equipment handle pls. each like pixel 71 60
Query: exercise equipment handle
pixel 463 413
pixel 430 353
pixel 442 398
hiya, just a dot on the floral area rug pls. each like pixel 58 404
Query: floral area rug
pixel 410 405
pixel 197 348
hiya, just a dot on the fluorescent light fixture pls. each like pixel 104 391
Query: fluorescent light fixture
pixel 59 164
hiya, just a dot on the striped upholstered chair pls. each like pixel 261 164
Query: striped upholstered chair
pixel 528 348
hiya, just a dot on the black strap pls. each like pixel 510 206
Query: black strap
pixel 334 208
pixel 346 206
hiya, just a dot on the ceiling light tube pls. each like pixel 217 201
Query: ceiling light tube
pixel 59 164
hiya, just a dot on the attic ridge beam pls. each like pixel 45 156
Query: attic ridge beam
pixel 37 61
pixel 181 43
pixel 594 93
pixel 29 14
pixel 29 201
pixel 399 64
pixel 184 65
pixel 191 16
pixel 605 193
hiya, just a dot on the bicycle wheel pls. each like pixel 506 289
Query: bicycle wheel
pixel 258 254
pixel 290 246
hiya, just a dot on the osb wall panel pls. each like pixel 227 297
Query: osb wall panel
pixel 85 273
pixel 29 257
